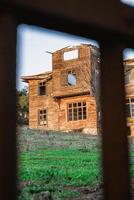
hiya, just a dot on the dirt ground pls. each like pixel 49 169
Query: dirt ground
pixel 88 193
pixel 94 193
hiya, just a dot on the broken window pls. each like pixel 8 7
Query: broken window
pixel 68 78
pixel 71 78
pixel 130 107
pixel 77 111
pixel 71 55
pixel 42 116
pixel 42 88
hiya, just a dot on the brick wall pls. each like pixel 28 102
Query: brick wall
pixel 57 110
pixel 88 125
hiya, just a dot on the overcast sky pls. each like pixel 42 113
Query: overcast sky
pixel 33 42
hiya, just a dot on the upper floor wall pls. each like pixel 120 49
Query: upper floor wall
pixel 72 70
pixel 73 73
pixel 70 55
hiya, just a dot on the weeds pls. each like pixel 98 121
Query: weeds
pixel 49 162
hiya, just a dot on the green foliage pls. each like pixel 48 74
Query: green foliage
pixel 59 163
pixel 22 106
pixel 73 167
pixel 68 194
pixel 52 161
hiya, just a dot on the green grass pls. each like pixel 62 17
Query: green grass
pixel 54 161
pixel 72 166
pixel 59 163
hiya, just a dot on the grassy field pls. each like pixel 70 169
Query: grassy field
pixel 58 165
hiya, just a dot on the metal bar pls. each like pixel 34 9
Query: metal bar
pixel 7 107
pixel 114 132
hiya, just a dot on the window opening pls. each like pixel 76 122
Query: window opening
pixel 71 78
pixel 71 55
pixel 130 107
pixel 42 88
pixel 43 117
pixel 77 111
pixel 127 78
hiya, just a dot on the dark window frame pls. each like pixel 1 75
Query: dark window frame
pixel 127 77
pixel 42 117
pixel 130 107
pixel 77 111
pixel 42 88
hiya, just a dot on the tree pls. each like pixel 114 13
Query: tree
pixel 22 106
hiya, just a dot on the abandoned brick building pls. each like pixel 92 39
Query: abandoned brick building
pixel 68 97
pixel 129 86
pixel 63 99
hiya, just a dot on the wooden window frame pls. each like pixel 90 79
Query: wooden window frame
pixel 73 59
pixel 130 103
pixel 41 115
pixel 40 86
pixel 127 78
pixel 77 107
pixel 70 59
pixel 73 72
pixel 64 77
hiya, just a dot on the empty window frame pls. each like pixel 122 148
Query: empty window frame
pixel 71 55
pixel 42 117
pixel 76 111
pixel 42 88
pixel 127 77
pixel 130 107
pixel 71 78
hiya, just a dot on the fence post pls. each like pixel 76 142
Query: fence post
pixel 114 132
pixel 7 107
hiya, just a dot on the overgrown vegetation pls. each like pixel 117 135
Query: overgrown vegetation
pixel 57 164
pixel 22 106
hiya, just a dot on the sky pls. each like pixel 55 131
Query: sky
pixel 33 42
pixel 129 2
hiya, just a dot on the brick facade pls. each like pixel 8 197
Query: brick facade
pixel 53 105
pixel 129 86
pixel 59 93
